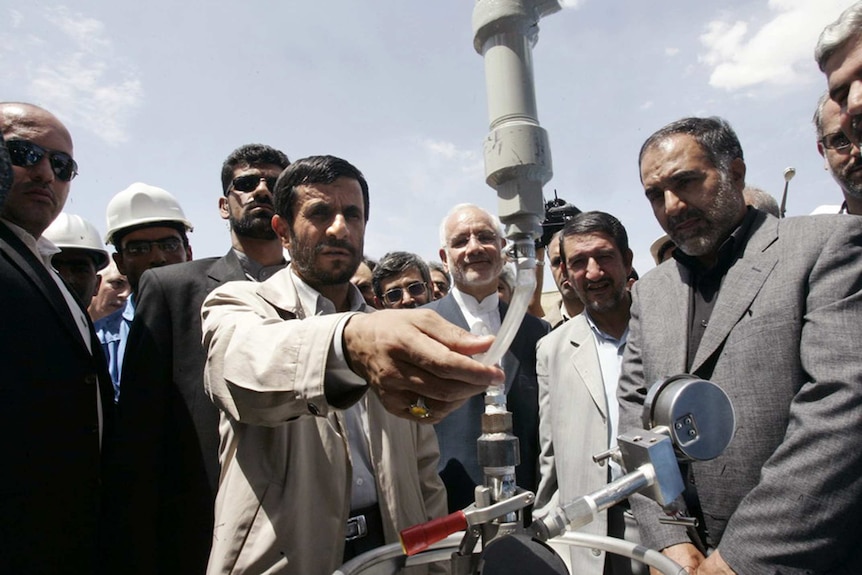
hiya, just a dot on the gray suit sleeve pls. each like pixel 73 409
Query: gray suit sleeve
pixel 631 394
pixel 547 494
pixel 804 514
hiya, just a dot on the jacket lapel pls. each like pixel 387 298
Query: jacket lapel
pixel 585 361
pixel 741 285
pixel 35 271
pixel 448 308
pixel 225 269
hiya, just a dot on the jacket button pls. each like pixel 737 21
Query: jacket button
pixel 313 409
pixel 90 379
pixel 596 552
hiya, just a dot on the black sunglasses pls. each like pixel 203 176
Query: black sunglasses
pixel 415 289
pixel 250 182
pixel 24 154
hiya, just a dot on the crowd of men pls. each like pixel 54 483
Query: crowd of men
pixel 249 414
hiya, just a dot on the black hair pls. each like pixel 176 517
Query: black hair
pixel 252 155
pixel 313 170
pixel 395 263
pixel 595 222
pixel 714 135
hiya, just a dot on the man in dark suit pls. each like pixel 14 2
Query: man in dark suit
pixel 769 310
pixel 55 400
pixel 167 451
pixel 472 248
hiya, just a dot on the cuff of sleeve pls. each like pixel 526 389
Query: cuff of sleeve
pixel 341 386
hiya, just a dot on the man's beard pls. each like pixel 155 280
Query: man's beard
pixel 845 177
pixel 303 258
pixel 255 226
pixel 719 220
pixel 605 305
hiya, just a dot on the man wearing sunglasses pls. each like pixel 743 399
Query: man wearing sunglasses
pixel 168 435
pixel 401 280
pixel 842 158
pixel 57 405
pixel 147 228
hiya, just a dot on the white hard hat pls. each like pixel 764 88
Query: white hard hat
pixel 69 231
pixel 142 204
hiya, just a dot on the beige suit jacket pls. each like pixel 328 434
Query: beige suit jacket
pixel 573 426
pixel 284 489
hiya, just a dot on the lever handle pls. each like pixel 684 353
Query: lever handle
pixel 420 537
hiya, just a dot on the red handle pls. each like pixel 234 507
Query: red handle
pixel 420 537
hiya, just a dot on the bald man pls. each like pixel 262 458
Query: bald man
pixel 55 387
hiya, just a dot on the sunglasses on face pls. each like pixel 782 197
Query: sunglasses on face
pixel 143 247
pixel 837 141
pixel 250 182
pixel 25 154
pixel 416 289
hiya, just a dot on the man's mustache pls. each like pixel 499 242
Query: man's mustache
pixel 690 213
pixel 336 243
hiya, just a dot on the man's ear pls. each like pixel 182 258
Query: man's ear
pixel 98 285
pixel 737 172
pixel 822 151
pixel 281 229
pixel 628 258
pixel 223 208
pixel 443 259
pixel 118 259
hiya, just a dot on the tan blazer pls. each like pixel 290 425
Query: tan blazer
pixel 284 489
pixel 573 426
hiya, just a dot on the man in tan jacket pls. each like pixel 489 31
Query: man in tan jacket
pixel 314 470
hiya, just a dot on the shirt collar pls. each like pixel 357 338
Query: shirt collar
pixel 42 247
pixel 255 271
pixel 475 307
pixel 314 303
pixel 601 334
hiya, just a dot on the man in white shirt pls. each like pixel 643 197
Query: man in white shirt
pixel 472 248
pixel 578 365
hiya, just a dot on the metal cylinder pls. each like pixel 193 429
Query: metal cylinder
pixel 517 152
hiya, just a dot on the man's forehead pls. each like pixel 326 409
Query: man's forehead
pixel 152 233
pixel 669 155
pixel 26 122
pixel 258 168
pixel 848 53
pixel 830 117
pixel 468 220
pixel 341 190
pixel 72 256
pixel 402 278
pixel 589 240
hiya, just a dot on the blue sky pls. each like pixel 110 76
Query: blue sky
pixel 161 92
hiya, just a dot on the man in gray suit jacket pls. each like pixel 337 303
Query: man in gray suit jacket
pixel 472 248
pixel 578 366
pixel 166 455
pixel 769 310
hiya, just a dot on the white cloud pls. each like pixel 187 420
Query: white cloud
pixel 671 51
pixel 447 150
pixel 777 53
pixel 570 3
pixel 646 105
pixel 68 64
